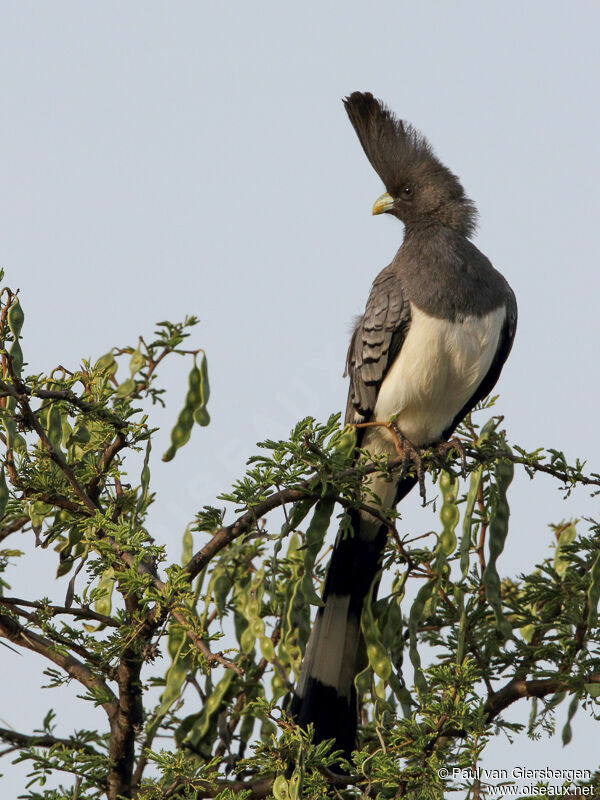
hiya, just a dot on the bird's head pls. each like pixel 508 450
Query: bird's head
pixel 419 187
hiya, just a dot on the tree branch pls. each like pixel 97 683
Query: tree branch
pixel 80 613
pixel 44 740
pixel 13 631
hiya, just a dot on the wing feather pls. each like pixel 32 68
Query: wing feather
pixel 375 343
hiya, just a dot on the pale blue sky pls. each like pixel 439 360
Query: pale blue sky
pixel 164 158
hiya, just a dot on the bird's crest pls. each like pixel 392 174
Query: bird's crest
pixel 388 142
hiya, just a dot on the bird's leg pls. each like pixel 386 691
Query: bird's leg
pixel 409 450
pixel 455 443
pixel 397 437
pixel 405 449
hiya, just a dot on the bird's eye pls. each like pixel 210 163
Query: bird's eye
pixel 407 192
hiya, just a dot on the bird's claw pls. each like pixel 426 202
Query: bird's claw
pixel 455 444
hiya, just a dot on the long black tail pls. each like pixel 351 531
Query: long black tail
pixel 325 694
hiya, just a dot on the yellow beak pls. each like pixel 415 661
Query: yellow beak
pixel 383 204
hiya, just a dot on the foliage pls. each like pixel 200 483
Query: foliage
pixel 451 644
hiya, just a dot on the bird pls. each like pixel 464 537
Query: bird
pixel 438 326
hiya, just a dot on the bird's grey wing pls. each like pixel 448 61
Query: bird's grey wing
pixel 375 343
pixel 505 342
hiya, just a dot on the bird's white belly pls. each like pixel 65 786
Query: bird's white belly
pixel 438 369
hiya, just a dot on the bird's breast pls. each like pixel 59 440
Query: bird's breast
pixel 439 367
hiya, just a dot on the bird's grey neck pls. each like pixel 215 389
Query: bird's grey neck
pixel 458 215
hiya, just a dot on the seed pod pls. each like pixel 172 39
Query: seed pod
pixel 136 362
pixel 314 539
pixel 16 356
pixel 14 440
pixel 126 388
pixel 504 471
pixel 280 788
pixel 416 614
pixel 459 601
pixel 3 493
pixel 106 362
pixel 201 415
pixel 567 732
pixel 106 585
pixel 180 433
pixel 295 617
pixel 345 444
pixel 295 783
pixel 376 652
pixel 449 514
pixel 465 542
pixel 142 502
pixel 15 319
pixel 212 706
pixel 474 484
pixel 593 594
pixel 194 410
pixel 55 430
pixel 204 384
pixel 566 537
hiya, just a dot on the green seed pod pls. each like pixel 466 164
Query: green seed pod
pixel 295 626
pixel 416 614
pixel 55 430
pixel 126 388
pixel 566 537
pixel 459 601
pixel 221 590
pixel 280 788
pixel 142 502
pixel 567 732
pixel 204 384
pixel 449 514
pixel 38 512
pixel 376 652
pixel 211 708
pixel 504 471
pixel 14 440
pixel 15 317
pixel 16 356
pixel 80 434
pixel 106 363
pixel 136 362
pixel 465 542
pixel 194 395
pixel 593 594
pixel 180 433
pixel 313 542
pixel 295 783
pixel 106 584
pixel 201 416
pixel 345 444
pixel 199 392
pixel 472 494
pixel 3 493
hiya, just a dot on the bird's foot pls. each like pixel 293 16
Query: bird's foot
pixel 455 444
